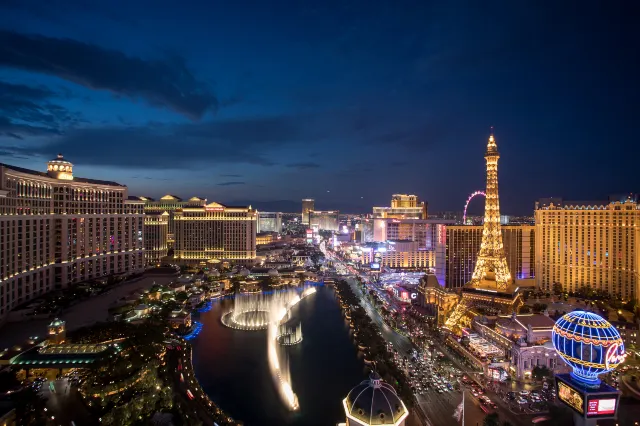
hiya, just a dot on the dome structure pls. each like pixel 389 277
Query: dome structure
pixel 374 402
pixel 589 344
pixel 57 322
pixel 59 168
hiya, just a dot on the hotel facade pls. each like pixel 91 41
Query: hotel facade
pixel 463 245
pixel 170 203
pixel 589 244
pixel 215 232
pixel 403 206
pixel 156 230
pixel 57 229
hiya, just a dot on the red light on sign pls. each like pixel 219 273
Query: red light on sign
pixel 598 407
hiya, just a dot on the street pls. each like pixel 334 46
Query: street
pixel 438 408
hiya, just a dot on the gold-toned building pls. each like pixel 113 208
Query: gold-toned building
pixel 170 203
pixel 308 204
pixel 156 229
pixel 463 247
pixel 215 232
pixel 589 244
pixel 403 206
pixel 57 229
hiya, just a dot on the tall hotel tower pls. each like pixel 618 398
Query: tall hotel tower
pixel 57 229
pixel 491 289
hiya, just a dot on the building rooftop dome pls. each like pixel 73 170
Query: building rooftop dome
pixel 60 160
pixel 374 402
pixel 56 323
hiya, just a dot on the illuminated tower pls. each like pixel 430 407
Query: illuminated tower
pixel 491 290
pixel 491 266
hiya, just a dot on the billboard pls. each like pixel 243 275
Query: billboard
pixel 601 406
pixel 375 266
pixel 570 396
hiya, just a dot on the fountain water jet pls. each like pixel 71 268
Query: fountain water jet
pixel 271 312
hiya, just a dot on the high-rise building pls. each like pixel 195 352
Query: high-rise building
pixel 215 232
pixel 308 204
pixel 170 203
pixel 324 220
pixel 402 207
pixel 422 231
pixel 398 255
pixel 463 245
pixel 492 288
pixel 589 244
pixel 366 231
pixel 57 229
pixel 156 228
pixel 269 222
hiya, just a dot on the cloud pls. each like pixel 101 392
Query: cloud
pixel 12 154
pixel 166 82
pixel 27 111
pixel 304 166
pixel 230 175
pixel 262 140
pixel 148 178
pixel 232 183
pixel 176 146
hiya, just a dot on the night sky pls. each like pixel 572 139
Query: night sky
pixel 343 101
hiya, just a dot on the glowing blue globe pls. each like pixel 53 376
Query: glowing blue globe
pixel 589 344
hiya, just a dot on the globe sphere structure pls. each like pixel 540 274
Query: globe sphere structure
pixel 589 344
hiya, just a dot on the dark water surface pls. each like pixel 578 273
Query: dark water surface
pixel 232 366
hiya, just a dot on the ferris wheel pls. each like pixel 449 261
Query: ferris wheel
pixel 464 215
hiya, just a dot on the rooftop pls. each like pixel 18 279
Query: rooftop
pixel 75 179
pixel 535 320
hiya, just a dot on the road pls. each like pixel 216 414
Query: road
pixel 84 313
pixel 438 408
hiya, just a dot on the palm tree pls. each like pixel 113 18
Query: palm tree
pixel 491 420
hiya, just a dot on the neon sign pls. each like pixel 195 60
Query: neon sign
pixel 615 356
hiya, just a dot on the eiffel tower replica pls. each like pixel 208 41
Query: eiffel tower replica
pixel 491 290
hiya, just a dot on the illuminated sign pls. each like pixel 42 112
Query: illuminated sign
pixel 414 295
pixel 601 407
pixel 615 356
pixel 375 266
pixel 571 397
pixel 214 209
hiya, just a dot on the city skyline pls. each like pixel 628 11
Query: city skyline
pixel 345 104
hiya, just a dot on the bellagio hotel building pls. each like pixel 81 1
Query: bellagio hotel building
pixel 594 244
pixel 57 229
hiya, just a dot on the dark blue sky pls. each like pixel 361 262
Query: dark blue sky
pixel 344 101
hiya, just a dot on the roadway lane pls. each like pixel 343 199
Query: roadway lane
pixel 401 343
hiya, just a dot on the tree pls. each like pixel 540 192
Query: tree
pixel 525 309
pixel 491 420
pixel 539 372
